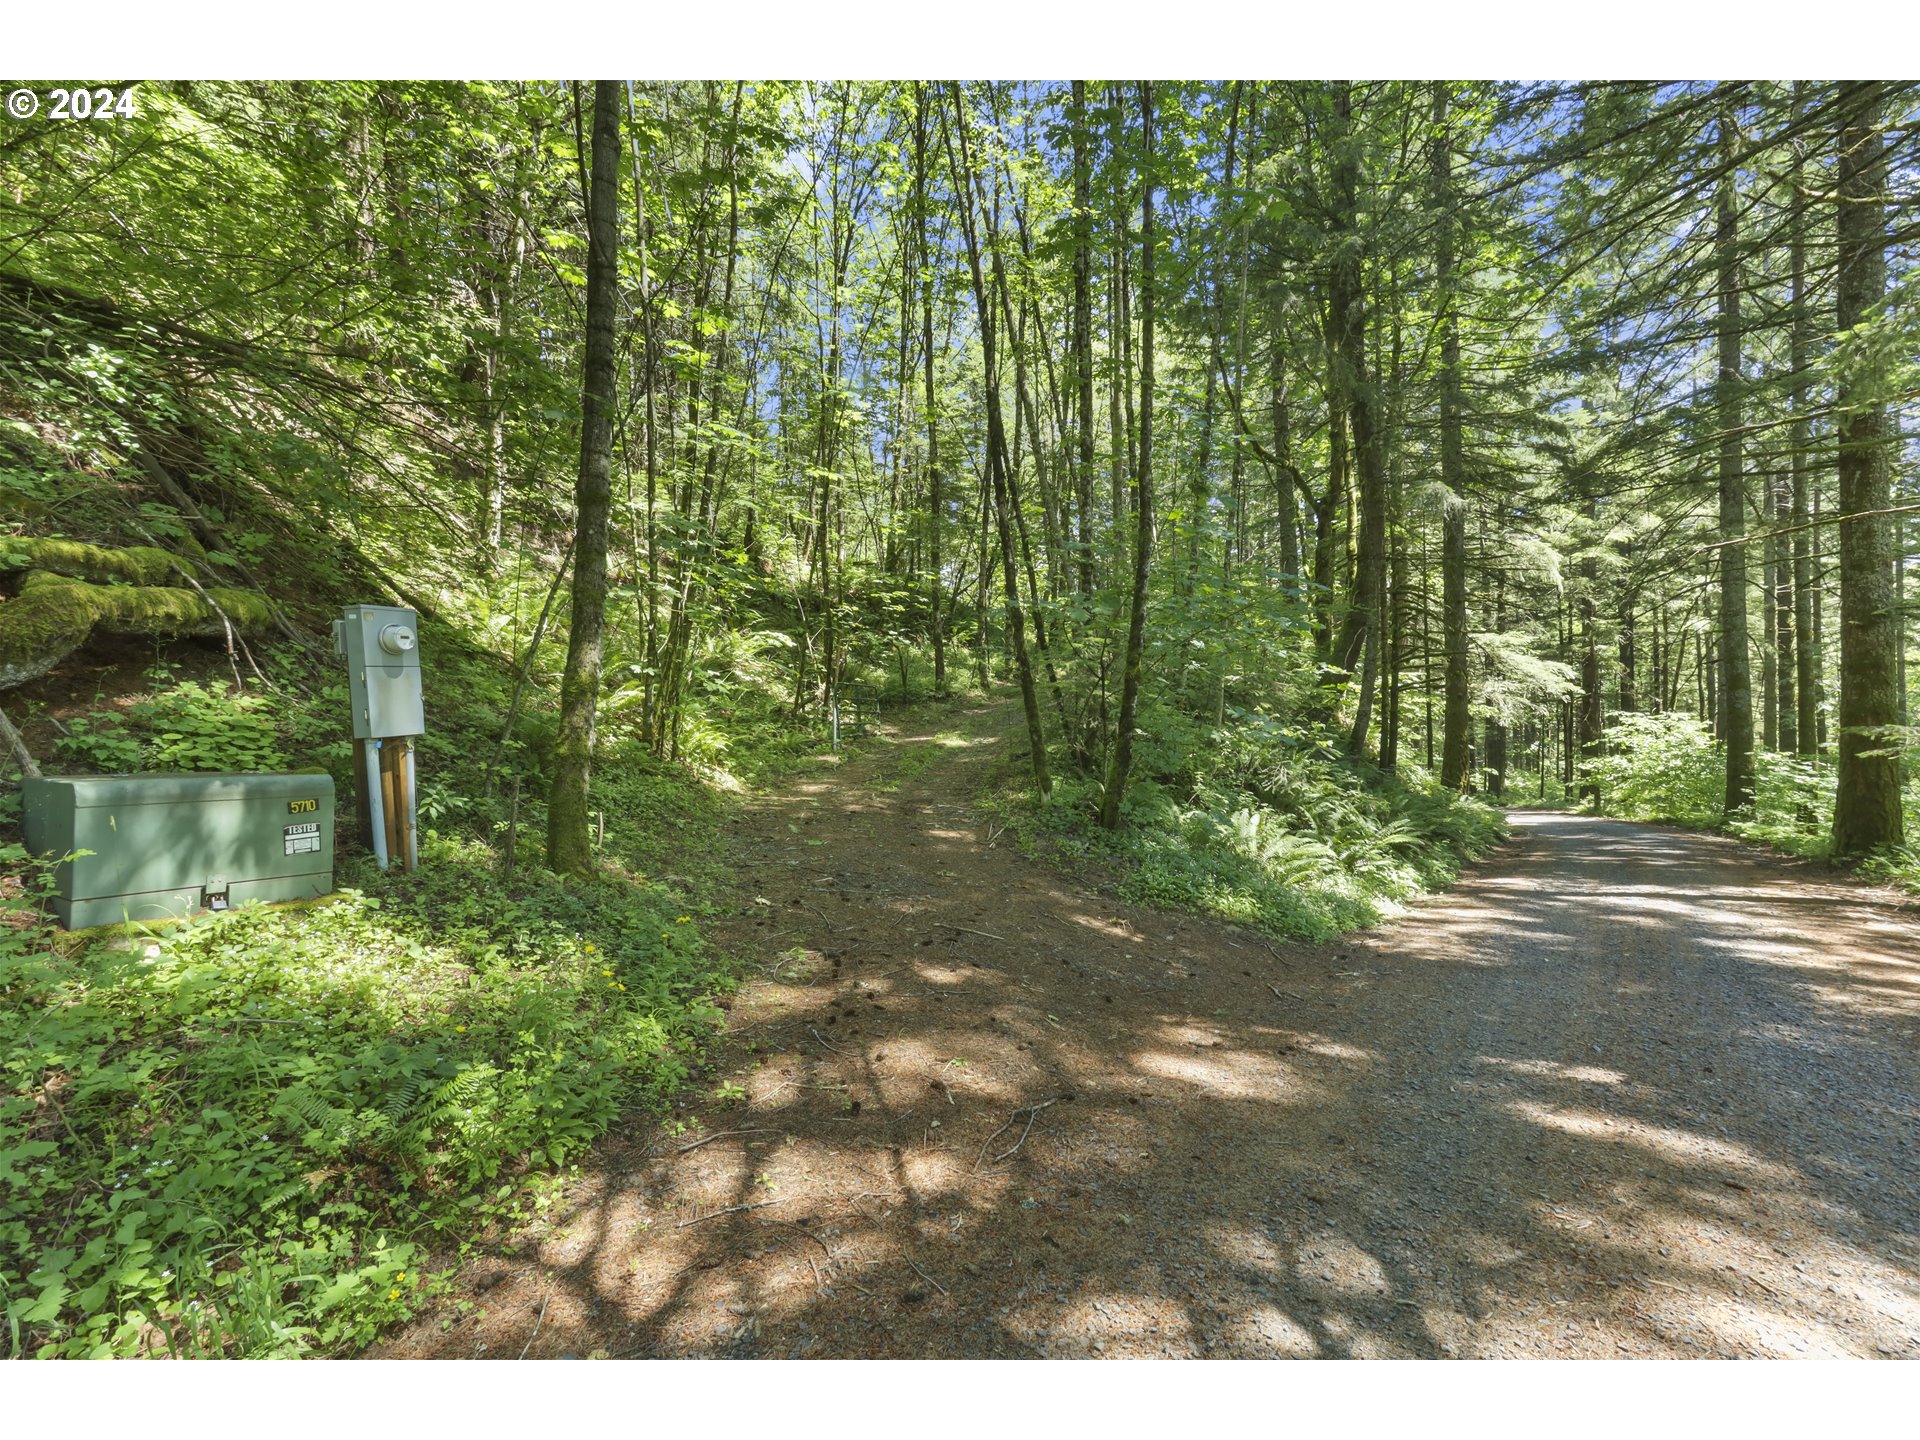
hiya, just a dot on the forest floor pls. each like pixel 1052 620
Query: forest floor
pixel 1623 1091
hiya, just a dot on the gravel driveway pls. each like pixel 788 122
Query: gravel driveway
pixel 1624 1091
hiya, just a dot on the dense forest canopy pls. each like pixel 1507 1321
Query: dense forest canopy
pixel 1476 422
pixel 1320 463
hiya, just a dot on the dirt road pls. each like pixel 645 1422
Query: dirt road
pixel 1624 1091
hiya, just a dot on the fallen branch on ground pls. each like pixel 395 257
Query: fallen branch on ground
pixel 926 1277
pixel 730 1210
pixel 537 1321
pixel 1030 1111
pixel 720 1135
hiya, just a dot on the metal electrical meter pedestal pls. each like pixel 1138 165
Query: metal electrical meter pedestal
pixel 381 646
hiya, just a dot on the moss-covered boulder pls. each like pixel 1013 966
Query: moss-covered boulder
pixel 133 565
pixel 54 614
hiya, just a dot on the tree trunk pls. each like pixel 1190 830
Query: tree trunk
pixel 1769 594
pixel 1806 652
pixel 997 462
pixel 1629 655
pixel 569 846
pixel 1592 700
pixel 1736 676
pixel 1395 633
pixel 1083 332
pixel 1359 644
pixel 1286 477
pixel 1786 728
pixel 936 500
pixel 1122 761
pixel 1866 814
pixel 1453 521
pixel 1496 765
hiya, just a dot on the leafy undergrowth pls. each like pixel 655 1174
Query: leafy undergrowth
pixel 247 1136
pixel 241 1137
pixel 1668 767
pixel 1261 822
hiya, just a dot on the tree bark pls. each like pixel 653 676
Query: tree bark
pixel 936 500
pixel 1769 598
pixel 1496 762
pixel 569 845
pixel 1122 761
pixel 1359 644
pixel 1806 652
pixel 1736 676
pixel 997 463
pixel 1453 520
pixel 1866 813
pixel 1083 333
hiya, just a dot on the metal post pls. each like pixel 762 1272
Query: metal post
pixel 376 814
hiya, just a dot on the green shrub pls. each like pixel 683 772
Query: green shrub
pixel 1792 804
pixel 198 727
pixel 1659 767
pixel 99 742
pixel 1898 866
pixel 185 726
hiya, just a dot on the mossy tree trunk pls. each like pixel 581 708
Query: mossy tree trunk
pixel 569 848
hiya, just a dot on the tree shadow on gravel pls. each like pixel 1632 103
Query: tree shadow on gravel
pixel 1603 1099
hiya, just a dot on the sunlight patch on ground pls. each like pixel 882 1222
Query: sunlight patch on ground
pixel 936 974
pixel 1332 1049
pixel 1118 1322
pixel 1895 994
pixel 1247 1245
pixel 1683 1149
pixel 1330 1261
pixel 1744 1325
pixel 1267 1330
pixel 1231 1074
pixel 1554 1070
pixel 1112 929
pixel 920 1072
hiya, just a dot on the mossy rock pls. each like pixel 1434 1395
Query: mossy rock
pixel 55 614
pixel 133 565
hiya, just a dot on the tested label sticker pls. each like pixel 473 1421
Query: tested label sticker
pixel 303 839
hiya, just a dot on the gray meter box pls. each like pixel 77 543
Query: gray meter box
pixel 381 644
pixel 167 846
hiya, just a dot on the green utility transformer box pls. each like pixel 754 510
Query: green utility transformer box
pixel 168 846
